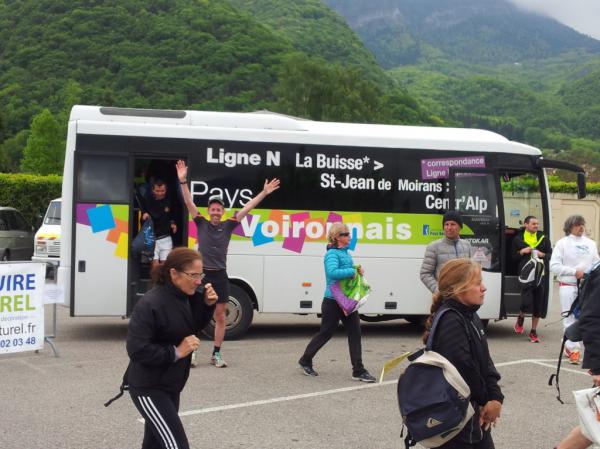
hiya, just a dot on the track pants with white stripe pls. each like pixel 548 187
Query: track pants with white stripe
pixel 163 428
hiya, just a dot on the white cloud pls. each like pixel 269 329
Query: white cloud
pixel 582 15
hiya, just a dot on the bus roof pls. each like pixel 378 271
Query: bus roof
pixel 273 127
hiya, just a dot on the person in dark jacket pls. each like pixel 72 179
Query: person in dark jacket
pixel 161 336
pixel 338 265
pixel 528 243
pixel 158 206
pixel 589 329
pixel 460 338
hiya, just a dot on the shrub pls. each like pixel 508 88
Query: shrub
pixel 29 193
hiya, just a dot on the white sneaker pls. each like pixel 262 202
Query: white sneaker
pixel 194 363
pixel 217 360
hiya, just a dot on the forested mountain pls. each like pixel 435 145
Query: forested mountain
pixel 181 54
pixel 475 63
pixel 161 54
pixel 313 28
pixel 475 31
pixel 488 64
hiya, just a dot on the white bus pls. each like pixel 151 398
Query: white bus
pixel 391 184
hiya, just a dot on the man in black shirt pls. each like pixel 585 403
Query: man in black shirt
pixel 158 207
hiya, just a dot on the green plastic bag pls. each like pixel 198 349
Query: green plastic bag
pixel 350 294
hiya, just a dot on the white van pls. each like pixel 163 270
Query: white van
pixel 46 246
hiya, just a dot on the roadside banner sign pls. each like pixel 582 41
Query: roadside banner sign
pixel 21 306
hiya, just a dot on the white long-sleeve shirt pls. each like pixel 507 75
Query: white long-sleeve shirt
pixel 570 254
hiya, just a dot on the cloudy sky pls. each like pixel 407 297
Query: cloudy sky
pixel 582 15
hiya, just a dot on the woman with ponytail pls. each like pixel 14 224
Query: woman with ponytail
pixel 161 336
pixel 460 337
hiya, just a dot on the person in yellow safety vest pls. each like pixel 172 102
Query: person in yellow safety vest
pixel 529 243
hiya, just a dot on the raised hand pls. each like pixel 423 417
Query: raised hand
pixel 181 171
pixel 271 186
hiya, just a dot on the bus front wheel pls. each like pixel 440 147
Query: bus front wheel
pixel 238 315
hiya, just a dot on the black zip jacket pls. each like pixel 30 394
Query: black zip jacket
pixel 589 323
pixel 519 243
pixel 463 343
pixel 161 213
pixel 159 322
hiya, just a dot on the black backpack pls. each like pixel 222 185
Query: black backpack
pixel 588 288
pixel 434 399
pixel 532 272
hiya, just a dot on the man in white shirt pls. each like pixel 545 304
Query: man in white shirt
pixel 572 256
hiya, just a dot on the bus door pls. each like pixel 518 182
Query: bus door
pixel 146 170
pixel 101 210
pixel 475 194
pixel 522 195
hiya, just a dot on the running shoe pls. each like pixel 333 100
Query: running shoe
pixel 519 324
pixel 194 362
pixel 308 370
pixel 364 377
pixel 533 337
pixel 217 360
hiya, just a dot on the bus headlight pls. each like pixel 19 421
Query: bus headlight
pixel 41 248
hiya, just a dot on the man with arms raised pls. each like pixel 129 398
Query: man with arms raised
pixel 214 235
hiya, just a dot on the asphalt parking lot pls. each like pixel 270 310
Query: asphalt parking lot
pixel 262 400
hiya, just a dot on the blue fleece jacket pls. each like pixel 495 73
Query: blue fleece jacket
pixel 338 265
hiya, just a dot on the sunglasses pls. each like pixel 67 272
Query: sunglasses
pixel 194 276
pixel 343 234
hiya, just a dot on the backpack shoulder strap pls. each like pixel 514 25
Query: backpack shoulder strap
pixel 124 387
pixel 436 319
pixel 556 375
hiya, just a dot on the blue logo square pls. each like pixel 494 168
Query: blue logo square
pixel 101 218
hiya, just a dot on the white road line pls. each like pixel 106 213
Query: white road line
pixel 220 408
pixel 519 362
pixel 283 399
pixel 579 371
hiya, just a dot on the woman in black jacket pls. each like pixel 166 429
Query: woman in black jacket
pixel 461 339
pixel 160 340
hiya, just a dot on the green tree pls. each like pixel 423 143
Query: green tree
pixel 45 150
pixel 11 152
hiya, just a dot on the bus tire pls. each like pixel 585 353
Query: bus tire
pixel 416 320
pixel 238 316
pixel 5 256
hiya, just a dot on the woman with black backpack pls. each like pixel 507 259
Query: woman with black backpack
pixel 460 338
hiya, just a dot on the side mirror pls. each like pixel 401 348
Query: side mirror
pixel 38 222
pixel 581 191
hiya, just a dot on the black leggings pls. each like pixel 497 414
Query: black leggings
pixel 331 316
pixel 163 428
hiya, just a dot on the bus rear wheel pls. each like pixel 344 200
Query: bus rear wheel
pixel 238 315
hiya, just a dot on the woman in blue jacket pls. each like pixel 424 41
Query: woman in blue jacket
pixel 338 266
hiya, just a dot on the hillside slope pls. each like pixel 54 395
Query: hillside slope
pixel 475 31
pixel 313 28
pixel 134 53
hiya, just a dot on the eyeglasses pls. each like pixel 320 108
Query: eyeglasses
pixel 194 276
pixel 343 234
